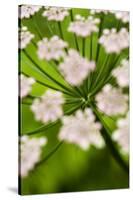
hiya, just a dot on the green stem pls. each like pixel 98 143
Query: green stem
pixel 49 76
pixel 60 29
pixel 83 48
pixel 110 144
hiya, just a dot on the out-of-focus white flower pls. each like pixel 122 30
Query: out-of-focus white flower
pixel 121 135
pixel 121 73
pixel 75 68
pixel 55 13
pixel 30 152
pixel 52 48
pixel 81 129
pixel 25 85
pixel 98 11
pixel 49 107
pixel 24 37
pixel 113 41
pixel 122 15
pixel 26 11
pixel 84 27
pixel 112 101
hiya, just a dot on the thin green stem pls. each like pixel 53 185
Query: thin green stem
pixel 60 30
pixel 83 47
pixel 110 144
pixel 49 76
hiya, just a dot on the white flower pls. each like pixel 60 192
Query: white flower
pixel 30 152
pixel 121 135
pixel 25 85
pixel 98 11
pixel 84 27
pixel 112 101
pixel 24 37
pixel 52 48
pixel 49 107
pixel 113 41
pixel 121 73
pixel 81 129
pixel 122 15
pixel 55 13
pixel 76 68
pixel 26 11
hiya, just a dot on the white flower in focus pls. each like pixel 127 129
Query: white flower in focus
pixel 121 135
pixel 98 11
pixel 55 13
pixel 81 129
pixel 121 73
pixel 25 85
pixel 26 11
pixel 113 41
pixel 84 27
pixel 30 152
pixel 24 37
pixel 122 15
pixel 52 48
pixel 75 68
pixel 112 101
pixel 49 107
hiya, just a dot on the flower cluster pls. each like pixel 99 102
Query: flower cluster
pixel 27 11
pixel 55 13
pixel 112 101
pixel 30 152
pixel 24 37
pixel 121 135
pixel 113 41
pixel 84 27
pixel 49 107
pixel 98 11
pixel 25 85
pixel 122 15
pixel 75 68
pixel 52 48
pixel 81 129
pixel 121 73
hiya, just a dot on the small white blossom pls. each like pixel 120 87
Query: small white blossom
pixel 49 107
pixel 26 11
pixel 24 37
pixel 121 73
pixel 98 11
pixel 113 41
pixel 75 68
pixel 52 48
pixel 121 135
pixel 55 13
pixel 112 101
pixel 82 130
pixel 30 152
pixel 84 27
pixel 122 15
pixel 25 85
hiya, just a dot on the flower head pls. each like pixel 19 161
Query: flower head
pixel 121 135
pixel 122 15
pixel 98 11
pixel 27 11
pixel 55 13
pixel 24 37
pixel 30 152
pixel 84 27
pixel 25 85
pixel 112 101
pixel 113 41
pixel 81 129
pixel 52 48
pixel 49 107
pixel 121 73
pixel 75 68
